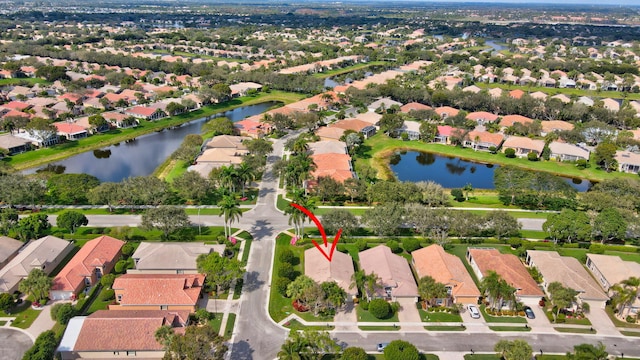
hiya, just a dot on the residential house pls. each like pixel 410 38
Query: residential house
pixel 508 266
pixel 446 269
pixel 510 120
pixel 252 127
pixel 393 271
pixel 120 120
pixel 70 131
pixel 95 259
pixel 609 270
pixel 384 104
pixel 14 144
pixel 8 249
pixel 340 269
pixel 611 104
pixel 562 97
pixel 555 125
pixel 443 134
pixel 336 166
pixel 118 334
pixel 523 145
pixel 147 113
pixel 516 94
pixel 446 111
pixel 567 152
pixel 482 117
pixel 407 108
pixel 328 147
pixel 539 95
pixel 240 89
pixel 356 125
pixel 371 117
pixel 495 93
pixel 45 253
pixel 483 140
pixel 411 128
pixel 176 292
pixel 569 272
pixel 472 88
pixel 330 133
pixel 628 161
pixel 170 258
pixel 585 100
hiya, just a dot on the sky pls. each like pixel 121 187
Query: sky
pixel 525 2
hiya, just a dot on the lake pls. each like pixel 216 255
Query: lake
pixel 452 172
pixel 140 157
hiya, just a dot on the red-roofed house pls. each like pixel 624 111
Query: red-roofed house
pixel 483 140
pixel 516 94
pixel 508 266
pixel 414 106
pixel 96 258
pixel 482 117
pixel 509 120
pixel 252 128
pixel 70 131
pixel 158 291
pixel 147 113
pixel 446 111
pixel 523 145
pixel 444 132
pixel 120 120
pixel 16 105
pixel 336 166
pixel 329 133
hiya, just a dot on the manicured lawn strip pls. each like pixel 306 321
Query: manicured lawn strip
pixel 617 322
pixel 296 325
pixel 574 330
pixel 172 170
pixel 237 291
pixel 25 316
pixel 98 304
pixel 481 357
pixel 501 319
pixel 18 81
pixel 228 330
pixel 571 321
pixel 566 91
pixel 438 316
pixel 350 249
pixel 209 233
pixel 381 147
pixel 533 234
pixel 324 211
pixel 510 328
pixel 630 333
pixel 550 357
pixel 348 69
pixel 59 152
pixel 281 203
pixel 247 248
pixel 216 322
pixel 2 323
pixel 445 328
pixel 379 328
pixel 365 316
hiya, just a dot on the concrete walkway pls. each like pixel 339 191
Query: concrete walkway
pixel 43 322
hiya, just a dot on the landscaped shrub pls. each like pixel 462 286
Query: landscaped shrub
pixel 379 308
pixel 510 153
pixel 62 313
pixel 107 295
pixel 107 280
pixel 364 304
pixel 127 249
pixel 457 194
pixel 354 353
pixel 596 249
pixel 286 270
pixel 286 256
pixel 401 350
pixel 394 306
pixel 394 246
pixel 361 244
pixel 631 319
pixel 43 348
pixel 410 244
pixel 281 285
pixel 120 267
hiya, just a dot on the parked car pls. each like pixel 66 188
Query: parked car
pixel 473 311
pixel 529 312
pixel 381 346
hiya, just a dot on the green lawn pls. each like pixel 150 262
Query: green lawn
pixel 26 81
pixel 216 322
pixel 502 319
pixel 25 315
pixel 566 91
pixel 574 330
pixel 379 328
pixel 35 158
pixel 247 248
pixel 228 330
pixel 571 321
pixel 296 325
pixel 99 304
pixel 365 316
pixel 380 147
pixel 481 357
pixel 619 323
pixel 630 333
pixel 445 328
pixel 510 328
pixel 439 316
pixel 348 69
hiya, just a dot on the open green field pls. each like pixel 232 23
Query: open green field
pixel 348 69
pixel 59 152
pixel 28 81
pixel 566 91
pixel 380 147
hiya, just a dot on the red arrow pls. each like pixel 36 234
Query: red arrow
pixel 322 233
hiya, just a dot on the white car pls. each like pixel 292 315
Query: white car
pixel 381 346
pixel 473 311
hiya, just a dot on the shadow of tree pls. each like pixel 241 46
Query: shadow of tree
pixel 241 351
pixel 252 282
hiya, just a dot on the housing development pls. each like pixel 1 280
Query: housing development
pixel 311 180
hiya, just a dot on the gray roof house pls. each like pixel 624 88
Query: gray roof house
pixel 328 147
pixel 569 272
pixel 170 258
pixel 45 253
pixel 8 249
pixel 567 152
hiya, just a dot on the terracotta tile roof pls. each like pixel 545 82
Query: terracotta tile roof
pixel 340 269
pixel 330 132
pixel 516 94
pixel 351 124
pixel 494 139
pixel 11 113
pixel 445 130
pixel 444 268
pixel 16 105
pixel 95 253
pixel 337 175
pixel 118 330
pixel 114 116
pixel 414 106
pixel 521 142
pixel 509 120
pixel 446 111
pixel 509 267
pixel 393 270
pixel 553 125
pixel 332 161
pixel 142 110
pixel 67 128
pixel 371 117
pixel 159 289
pixel 482 115
pixel 74 98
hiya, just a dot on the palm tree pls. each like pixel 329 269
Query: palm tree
pixel 36 284
pixel 430 289
pixel 228 177
pixel 231 211
pixel 367 284
pixel 300 146
pixel 297 217
pixel 625 294
pixel 496 289
pixel 246 174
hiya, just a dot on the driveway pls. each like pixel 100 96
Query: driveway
pixel 541 322
pixel 13 343
pixel 600 320
pixel 408 313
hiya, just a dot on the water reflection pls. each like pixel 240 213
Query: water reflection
pixel 425 158
pixel 52 168
pixel 102 154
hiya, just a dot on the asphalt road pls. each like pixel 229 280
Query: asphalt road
pixel 13 343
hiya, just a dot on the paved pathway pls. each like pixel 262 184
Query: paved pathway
pixel 43 322
pixel 408 313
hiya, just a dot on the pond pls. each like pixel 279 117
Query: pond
pixel 140 157
pixel 452 172
pixel 496 47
